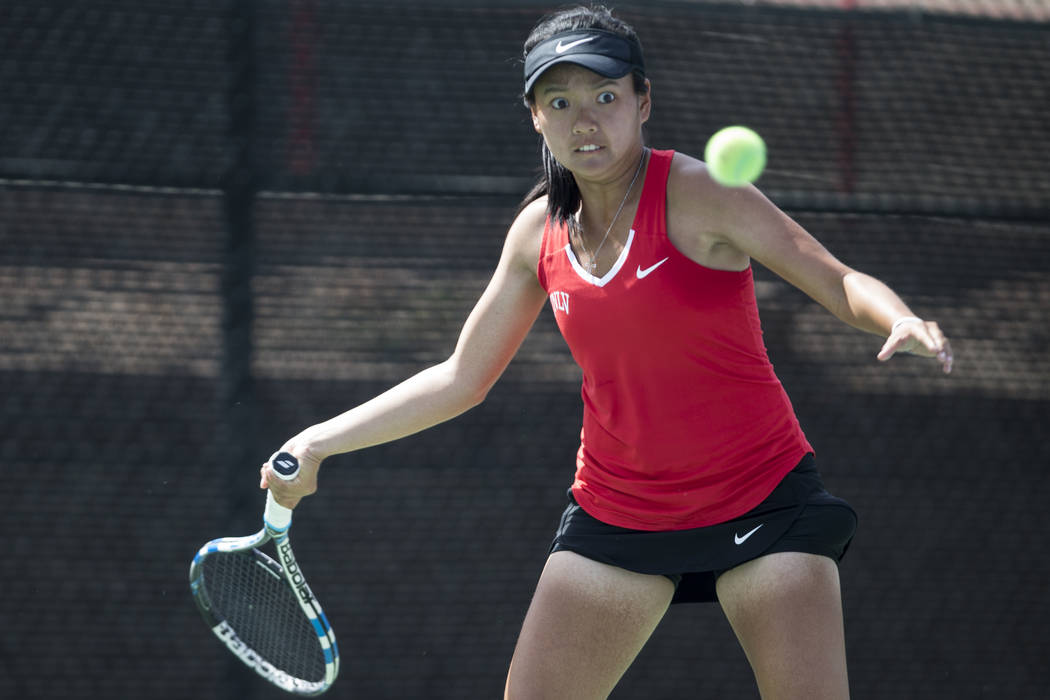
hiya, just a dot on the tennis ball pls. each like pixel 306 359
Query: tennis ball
pixel 735 156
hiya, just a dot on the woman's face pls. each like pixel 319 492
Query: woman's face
pixel 589 122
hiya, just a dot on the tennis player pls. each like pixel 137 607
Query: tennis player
pixel 694 480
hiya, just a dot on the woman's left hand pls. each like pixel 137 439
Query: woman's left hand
pixel 918 337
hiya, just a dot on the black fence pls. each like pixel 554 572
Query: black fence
pixel 222 221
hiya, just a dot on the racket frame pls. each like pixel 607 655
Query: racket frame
pixel 276 523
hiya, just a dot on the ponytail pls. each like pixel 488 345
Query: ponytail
pixel 560 188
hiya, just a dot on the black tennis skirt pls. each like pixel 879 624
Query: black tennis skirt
pixel 798 516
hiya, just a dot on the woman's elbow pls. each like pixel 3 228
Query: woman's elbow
pixel 479 395
pixel 472 384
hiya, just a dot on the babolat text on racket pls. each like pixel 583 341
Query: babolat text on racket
pixel 263 610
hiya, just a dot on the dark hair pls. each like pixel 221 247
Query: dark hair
pixel 556 182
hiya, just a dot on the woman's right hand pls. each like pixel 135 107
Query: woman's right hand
pixel 288 493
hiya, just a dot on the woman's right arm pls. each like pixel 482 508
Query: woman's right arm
pixel 491 335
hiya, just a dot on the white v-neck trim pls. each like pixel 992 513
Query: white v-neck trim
pixel 608 276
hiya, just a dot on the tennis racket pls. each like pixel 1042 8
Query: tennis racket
pixel 262 610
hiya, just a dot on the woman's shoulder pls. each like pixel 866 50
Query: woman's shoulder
pixel 692 194
pixel 689 176
pixel 525 237
pixel 534 212
pixel 530 221
pixel 703 216
pixel 692 191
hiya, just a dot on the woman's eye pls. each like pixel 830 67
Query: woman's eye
pixel 559 103
pixel 606 97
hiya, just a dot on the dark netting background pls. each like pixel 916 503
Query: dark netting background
pixel 221 221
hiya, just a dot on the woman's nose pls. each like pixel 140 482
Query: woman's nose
pixel 585 123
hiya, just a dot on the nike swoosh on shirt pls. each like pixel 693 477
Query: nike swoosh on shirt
pixel 562 48
pixel 645 273
pixel 741 540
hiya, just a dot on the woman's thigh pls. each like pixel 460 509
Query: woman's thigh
pixel 786 610
pixel 586 624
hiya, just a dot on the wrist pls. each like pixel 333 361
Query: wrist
pixel 902 320
pixel 312 443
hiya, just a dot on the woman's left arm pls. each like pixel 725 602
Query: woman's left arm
pixel 753 225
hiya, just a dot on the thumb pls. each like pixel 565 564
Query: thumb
pixel 890 347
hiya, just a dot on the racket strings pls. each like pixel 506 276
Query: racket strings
pixel 248 592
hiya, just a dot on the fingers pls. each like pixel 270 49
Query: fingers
pixel 892 345
pixel 289 492
pixel 286 492
pixel 945 356
pixel 919 337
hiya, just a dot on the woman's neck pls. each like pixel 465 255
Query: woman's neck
pixel 603 204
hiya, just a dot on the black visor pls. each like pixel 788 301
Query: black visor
pixel 603 52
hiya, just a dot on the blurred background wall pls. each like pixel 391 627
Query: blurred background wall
pixel 222 221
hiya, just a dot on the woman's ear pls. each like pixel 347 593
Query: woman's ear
pixel 645 102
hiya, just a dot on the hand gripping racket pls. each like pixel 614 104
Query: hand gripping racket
pixel 262 610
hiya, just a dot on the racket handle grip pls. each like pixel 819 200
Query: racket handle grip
pixel 276 516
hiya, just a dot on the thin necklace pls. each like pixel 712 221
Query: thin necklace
pixel 593 265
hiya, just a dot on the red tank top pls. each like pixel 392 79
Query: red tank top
pixel 685 423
